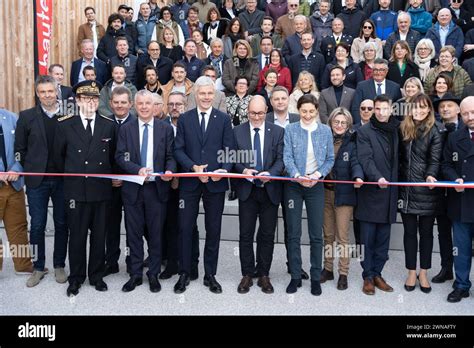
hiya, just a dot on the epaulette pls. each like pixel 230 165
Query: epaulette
pixel 67 117
pixel 107 118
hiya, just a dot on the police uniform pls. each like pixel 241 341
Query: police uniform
pixel 87 198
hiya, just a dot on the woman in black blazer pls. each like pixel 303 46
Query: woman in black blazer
pixel 215 26
pixel 228 10
pixel 401 66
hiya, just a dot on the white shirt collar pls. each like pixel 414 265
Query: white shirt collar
pixel 141 123
pixel 83 117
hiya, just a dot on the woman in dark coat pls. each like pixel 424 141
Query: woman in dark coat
pixel 421 146
pixel 401 66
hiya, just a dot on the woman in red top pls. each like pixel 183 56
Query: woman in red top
pixel 278 64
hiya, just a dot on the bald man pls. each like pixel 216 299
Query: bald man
pixel 458 165
pixel 261 143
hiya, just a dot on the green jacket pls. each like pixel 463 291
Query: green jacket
pixel 460 79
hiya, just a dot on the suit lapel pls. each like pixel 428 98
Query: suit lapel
pixel 465 143
pixel 343 96
pixel 40 123
pixel 197 127
pixel 80 130
pixel 332 95
pixel 97 134
pixel 135 138
pixel 267 146
pixel 212 120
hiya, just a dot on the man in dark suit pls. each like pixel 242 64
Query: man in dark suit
pixel 88 59
pixel 203 138
pixel 64 93
pixel 34 139
pixel 258 198
pixel 85 143
pixel 335 96
pixel 371 88
pixel 120 103
pixel 145 146
pixel 458 165
pixel 152 57
pixel 328 44
pixel 266 46
pixel 308 59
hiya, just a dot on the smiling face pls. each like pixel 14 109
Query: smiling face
pixel 90 15
pixel 235 27
pixel 449 111
pixel 337 77
pixel 154 50
pixel 216 48
pixel 119 74
pixel 307 41
pixel 267 26
pixel 300 25
pixel 341 54
pixel 47 94
pixel 337 26
pixel 411 89
pixel 271 79
pixel 87 50
pixel 122 47
pixel 304 83
pixel 400 52
pixel 446 59
pixel 369 54
pixel 116 24
pixel 257 111
pixel 120 105
pixel 241 87
pixel 242 51
pixel 383 111
pixel 204 97
pixel 167 16
pixel 144 106
pixel 444 17
pixel 279 101
pixel 366 110
pixel 420 111
pixel 380 72
pixel 423 51
pixel 308 113
pixel 197 36
pixel 275 58
pixel 339 125
pixel 168 35
pixel 441 86
pixel 367 29
pixel 58 74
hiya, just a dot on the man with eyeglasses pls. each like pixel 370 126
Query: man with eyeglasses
pixel 219 99
pixel 285 25
pixel 385 20
pixel 263 142
pixel 461 16
pixel 366 112
pixel 85 143
pixel 375 86
pixel 163 65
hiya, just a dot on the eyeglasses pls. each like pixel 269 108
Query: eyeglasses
pixel 259 114
pixel 457 1
pixel 380 70
pixel 367 27
pixel 293 5
pixel 337 123
pixel 366 108
pixel 88 99
pixel 175 105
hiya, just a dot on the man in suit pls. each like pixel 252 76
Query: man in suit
pixel 88 59
pixel 328 44
pixel 121 104
pixel 258 198
pixel 335 96
pixel 85 143
pixel 164 65
pixel 145 146
pixel 375 86
pixel 204 135
pixel 12 196
pixel 377 152
pixel 266 46
pixel 34 139
pixel 458 165
pixel 292 43
pixel 307 59
pixel 64 93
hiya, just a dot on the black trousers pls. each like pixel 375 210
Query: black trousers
pixel 82 217
pixel 112 242
pixel 414 224
pixel 258 205
pixel 147 211
pixel 445 239
pixel 188 213
pixel 171 230
pixel 356 226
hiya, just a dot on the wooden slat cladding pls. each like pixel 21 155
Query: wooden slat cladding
pixel 17 53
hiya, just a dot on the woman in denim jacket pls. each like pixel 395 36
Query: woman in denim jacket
pixel 308 154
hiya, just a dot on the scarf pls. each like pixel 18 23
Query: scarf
pixel 214 25
pixel 234 38
pixel 242 63
pixel 423 66
pixel 216 63
pixel 168 24
pixel 389 129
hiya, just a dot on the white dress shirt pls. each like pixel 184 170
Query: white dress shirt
pixel 283 125
pixel 261 133
pixel 206 117
pixel 382 87
pixel 84 121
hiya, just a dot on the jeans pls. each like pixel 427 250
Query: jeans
pixel 38 199
pixel 375 238
pixel 313 197
pixel 462 241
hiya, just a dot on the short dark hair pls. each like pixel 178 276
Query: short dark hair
pixel 215 10
pixel 193 8
pixel 165 8
pixel 121 90
pixel 118 66
pixel 178 65
pixel 270 71
pixel 89 67
pixel 382 98
pixel 266 38
pixel 113 17
pixel 123 7
pixel 241 78
pixel 52 66
pixel 336 67
pixel 89 8
pixel 149 67
pixel 44 79
pixel 209 68
pixel 308 99
pixel 345 46
pixel 120 38
pixel 268 18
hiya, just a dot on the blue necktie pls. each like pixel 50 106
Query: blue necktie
pixel 203 123
pixel 379 89
pixel 143 151
pixel 257 148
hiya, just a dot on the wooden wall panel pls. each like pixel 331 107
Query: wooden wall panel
pixel 17 53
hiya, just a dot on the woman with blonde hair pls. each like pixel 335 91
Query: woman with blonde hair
pixel 305 85
pixel 166 21
pixel 401 66
pixel 424 57
pixel 340 199
pixel 242 63
pixel 421 147
pixel 412 87
pixel 169 47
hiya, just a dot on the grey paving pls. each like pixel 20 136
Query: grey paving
pixel 49 298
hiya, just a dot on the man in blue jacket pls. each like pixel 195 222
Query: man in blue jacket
pixel 145 25
pixel 421 20
pixel 446 32
pixel 385 20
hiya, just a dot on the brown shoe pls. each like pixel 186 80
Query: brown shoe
pixel 264 283
pixel 382 284
pixel 245 285
pixel 326 275
pixel 368 288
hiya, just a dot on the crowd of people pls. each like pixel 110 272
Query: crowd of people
pixel 364 92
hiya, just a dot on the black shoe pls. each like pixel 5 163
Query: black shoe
pixel 194 273
pixel 409 287
pixel 168 273
pixel 293 286
pixel 232 196
pixel 100 285
pixel 211 282
pixel 342 282
pixel 132 283
pixel 180 286
pixel 326 275
pixel 315 288
pixel 155 285
pixel 426 290
pixel 146 262
pixel 457 295
pixel 443 275
pixel 304 275
pixel 73 288
pixel 111 269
